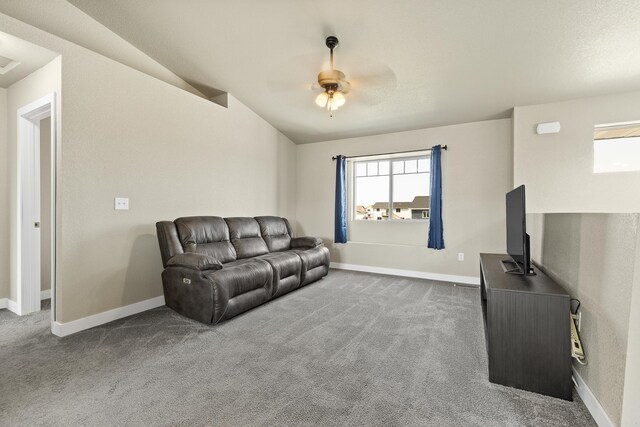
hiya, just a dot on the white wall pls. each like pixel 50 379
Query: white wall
pixel 587 237
pixel 476 176
pixel 4 198
pixel 124 133
pixel 592 257
pixel 630 407
pixel 558 169
pixel 62 18
pixel 31 88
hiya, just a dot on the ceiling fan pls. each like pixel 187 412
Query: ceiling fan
pixel 370 81
pixel 333 83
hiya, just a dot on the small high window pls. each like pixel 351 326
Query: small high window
pixel 616 148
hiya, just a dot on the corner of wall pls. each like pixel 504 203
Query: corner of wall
pixel 4 197
pixel 631 397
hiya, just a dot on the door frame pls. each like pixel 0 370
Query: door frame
pixel 28 243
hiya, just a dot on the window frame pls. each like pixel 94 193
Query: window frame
pixel 390 210
pixel 597 141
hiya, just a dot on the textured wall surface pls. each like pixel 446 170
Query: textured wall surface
pixel 558 169
pixel 593 257
pixel 476 174
pixel 126 134
pixel 630 407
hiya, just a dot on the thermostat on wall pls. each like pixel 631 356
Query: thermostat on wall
pixel 549 127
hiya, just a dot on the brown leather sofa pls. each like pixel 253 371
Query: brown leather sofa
pixel 217 268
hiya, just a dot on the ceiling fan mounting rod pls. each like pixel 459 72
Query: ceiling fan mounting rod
pixel 331 42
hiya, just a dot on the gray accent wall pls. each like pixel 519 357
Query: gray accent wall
pixel 593 256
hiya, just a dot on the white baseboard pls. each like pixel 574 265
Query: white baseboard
pixel 13 306
pixel 68 328
pixel 468 280
pixel 597 412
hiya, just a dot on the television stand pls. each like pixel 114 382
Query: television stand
pixel 527 333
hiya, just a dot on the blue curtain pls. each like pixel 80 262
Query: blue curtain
pixel 436 239
pixel 341 201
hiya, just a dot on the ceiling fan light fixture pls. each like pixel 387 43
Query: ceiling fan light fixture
pixel 339 99
pixel 321 100
pixel 333 82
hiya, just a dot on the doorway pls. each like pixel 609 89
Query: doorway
pixel 36 180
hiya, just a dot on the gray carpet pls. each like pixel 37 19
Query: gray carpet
pixel 352 349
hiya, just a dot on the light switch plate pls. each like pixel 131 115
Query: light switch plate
pixel 122 203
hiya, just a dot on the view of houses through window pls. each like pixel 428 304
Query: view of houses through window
pixel 395 188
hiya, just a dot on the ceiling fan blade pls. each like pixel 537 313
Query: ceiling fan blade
pixel 366 98
pixel 297 73
pixel 367 81
pixel 344 86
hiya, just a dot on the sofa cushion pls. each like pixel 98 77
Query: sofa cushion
pixel 245 237
pixel 240 288
pixel 276 232
pixel 208 235
pixel 315 263
pixel 287 271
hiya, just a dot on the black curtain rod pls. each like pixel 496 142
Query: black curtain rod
pixel 444 147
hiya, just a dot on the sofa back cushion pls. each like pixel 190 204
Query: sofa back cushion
pixel 208 235
pixel 246 238
pixel 276 232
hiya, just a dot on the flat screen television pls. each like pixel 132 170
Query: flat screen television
pixel 517 237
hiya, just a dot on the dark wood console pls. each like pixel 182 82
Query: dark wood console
pixel 527 329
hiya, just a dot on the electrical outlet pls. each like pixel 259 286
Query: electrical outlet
pixel 460 256
pixel 121 204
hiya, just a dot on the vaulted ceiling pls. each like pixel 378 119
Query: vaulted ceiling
pixel 412 63
pixel 19 58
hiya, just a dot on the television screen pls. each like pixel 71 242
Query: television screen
pixel 516 226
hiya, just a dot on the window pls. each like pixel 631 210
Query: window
pixel 395 188
pixel 616 148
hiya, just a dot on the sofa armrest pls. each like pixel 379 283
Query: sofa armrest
pixel 194 261
pixel 305 242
